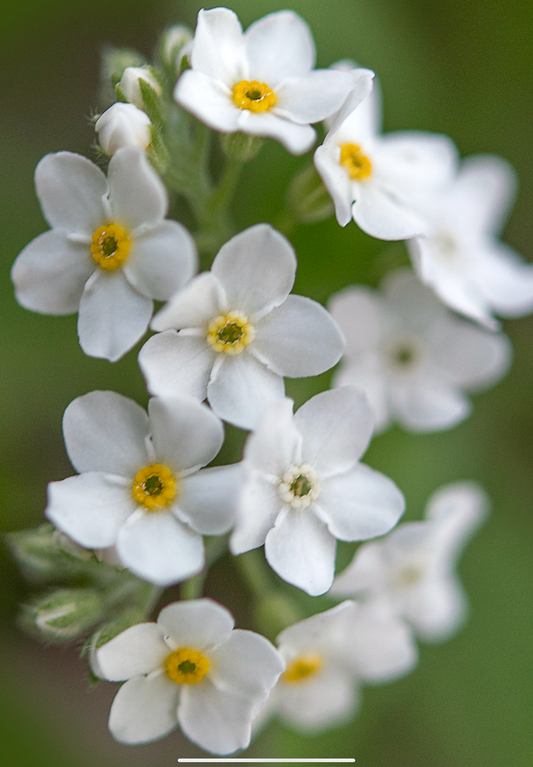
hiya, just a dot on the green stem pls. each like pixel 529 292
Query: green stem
pixel 255 572
pixel 193 588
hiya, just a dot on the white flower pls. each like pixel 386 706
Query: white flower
pixel 110 252
pixel 262 82
pixel 413 569
pixel 411 356
pixel 130 84
pixel 240 332
pixel 328 655
pixel 304 487
pixel 379 181
pixel 140 487
pixel 465 262
pixel 190 668
pixel 123 125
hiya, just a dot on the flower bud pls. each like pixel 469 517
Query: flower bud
pixel 64 614
pixel 241 146
pixel 123 125
pixel 175 48
pixel 130 86
pixel 309 198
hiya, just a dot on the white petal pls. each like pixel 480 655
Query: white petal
pixel 326 700
pixel 105 431
pixel 208 499
pixel 319 633
pixel 90 508
pixel 459 509
pixel 428 403
pixel 413 303
pixel 437 609
pixel 243 389
pixel 367 571
pixel 70 190
pixel 336 427
pixel 336 181
pixel 50 274
pixel 276 443
pixel 299 338
pixel 367 375
pixel 218 48
pixel 363 123
pixel 279 45
pixel 296 139
pixel 247 665
pixel 360 314
pixel 361 504
pixel 361 85
pixel 381 215
pixel 159 548
pixel 504 281
pixel 161 261
pixel 486 188
pixel 381 646
pixel 418 162
pixel 185 434
pixel 302 551
pixel 176 364
pixel 113 316
pixel 144 709
pixel 209 100
pixel 136 193
pixel 259 507
pixel 194 306
pixel 314 97
pixel 137 650
pixel 256 268
pixel 474 358
pixel 200 624
pixel 216 721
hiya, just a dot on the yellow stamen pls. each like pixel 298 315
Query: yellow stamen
pixel 154 487
pixel 230 333
pixel 355 162
pixel 302 668
pixel 186 666
pixel 254 96
pixel 110 246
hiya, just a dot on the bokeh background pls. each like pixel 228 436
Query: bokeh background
pixel 462 67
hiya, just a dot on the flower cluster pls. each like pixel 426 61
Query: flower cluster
pixel 134 518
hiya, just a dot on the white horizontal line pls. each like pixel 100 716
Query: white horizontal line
pixel 266 761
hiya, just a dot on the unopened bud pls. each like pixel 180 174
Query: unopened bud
pixel 130 85
pixel 176 45
pixel 241 146
pixel 64 614
pixel 309 198
pixel 123 125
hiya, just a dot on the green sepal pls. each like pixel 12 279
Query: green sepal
pixel 308 197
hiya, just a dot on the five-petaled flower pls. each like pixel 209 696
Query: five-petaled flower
pixel 191 668
pixel 141 487
pixel 262 82
pixel 110 252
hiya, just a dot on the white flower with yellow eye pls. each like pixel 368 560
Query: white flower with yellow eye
pixel 141 485
pixel 191 669
pixel 262 82
pixel 412 570
pixel 304 487
pixel 381 181
pixel 110 252
pixel 327 658
pixel 412 357
pixel 464 262
pixel 240 332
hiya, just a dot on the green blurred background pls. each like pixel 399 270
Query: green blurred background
pixel 460 67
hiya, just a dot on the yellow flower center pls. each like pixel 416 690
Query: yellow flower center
pixel 254 96
pixel 230 333
pixel 154 487
pixel 355 162
pixel 186 666
pixel 110 246
pixel 302 668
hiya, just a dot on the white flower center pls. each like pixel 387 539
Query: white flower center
pixel 403 355
pixel 446 245
pixel 299 486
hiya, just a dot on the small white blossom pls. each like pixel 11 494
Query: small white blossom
pixel 123 125
pixel 411 356
pixel 176 45
pixel 191 669
pixel 465 263
pixel 141 486
pixel 379 181
pixel 130 86
pixel 262 82
pixel 240 332
pixel 327 657
pixel 413 569
pixel 305 488
pixel 110 251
